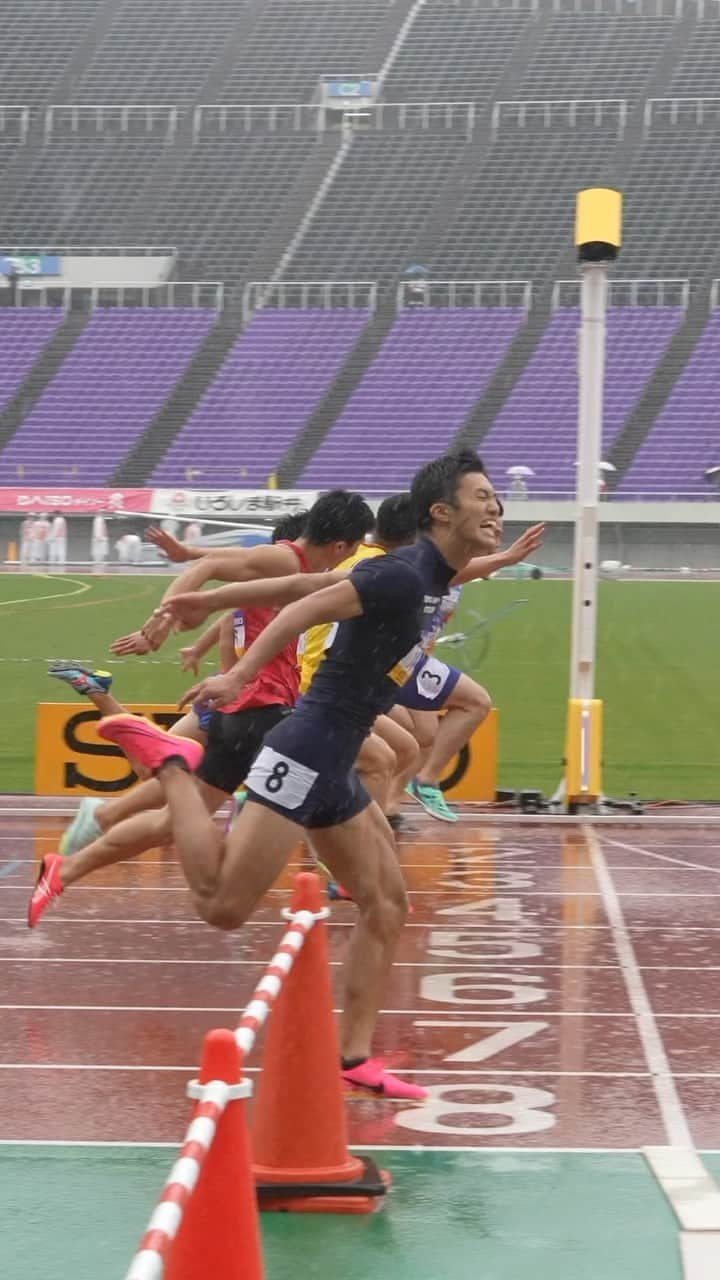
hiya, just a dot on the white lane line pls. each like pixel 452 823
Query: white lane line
pixel 414 1013
pixel 685 1182
pixel 668 1099
pixel 414 1148
pixel 490 963
pixel 183 922
pixel 446 895
pixel 700 1252
pixel 477 871
pixel 478 964
pixel 447 1072
pixel 688 1186
pixel 488 1011
pixel 660 857
pixel 490 928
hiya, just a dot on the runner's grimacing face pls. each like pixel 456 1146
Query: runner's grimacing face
pixel 476 515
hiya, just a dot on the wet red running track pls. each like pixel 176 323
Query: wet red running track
pixel 553 989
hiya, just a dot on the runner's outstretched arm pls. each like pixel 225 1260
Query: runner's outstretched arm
pixel 176 551
pixel 193 607
pixel 236 564
pixel 333 604
pixel 484 566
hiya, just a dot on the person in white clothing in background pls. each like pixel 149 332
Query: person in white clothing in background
pixel 99 544
pixel 129 548
pixel 192 534
pixel 27 539
pixel 57 545
pixel 41 537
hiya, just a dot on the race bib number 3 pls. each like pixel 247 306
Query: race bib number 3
pixel 278 778
pixel 432 678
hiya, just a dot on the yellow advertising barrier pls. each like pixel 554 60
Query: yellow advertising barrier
pixel 70 759
pixel 472 775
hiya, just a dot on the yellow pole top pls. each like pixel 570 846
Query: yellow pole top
pixel 598 223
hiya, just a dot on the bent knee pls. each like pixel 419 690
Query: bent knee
pixel 376 757
pixel 425 727
pixel 221 915
pixel 385 909
pixel 407 753
pixel 472 697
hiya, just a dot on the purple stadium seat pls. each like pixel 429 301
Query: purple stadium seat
pixel 431 369
pixel 538 425
pixel 119 373
pixel 270 383
pixel 23 334
pixel 685 439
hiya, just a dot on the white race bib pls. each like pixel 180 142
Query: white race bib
pixel 431 678
pixel 278 778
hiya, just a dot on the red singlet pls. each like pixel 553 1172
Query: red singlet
pixel 279 681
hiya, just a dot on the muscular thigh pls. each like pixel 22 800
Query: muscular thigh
pixel 256 852
pixel 375 755
pixel 468 695
pixel 425 727
pixel 401 740
pixel 188 726
pixel 361 855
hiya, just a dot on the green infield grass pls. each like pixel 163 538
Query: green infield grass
pixel 658 671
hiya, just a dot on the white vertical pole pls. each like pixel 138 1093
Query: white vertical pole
pixel 590 416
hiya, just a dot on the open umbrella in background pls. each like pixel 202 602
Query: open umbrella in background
pixel 520 471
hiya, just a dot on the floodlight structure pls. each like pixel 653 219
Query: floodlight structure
pixel 598 236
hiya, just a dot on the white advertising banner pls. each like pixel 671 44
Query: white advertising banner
pixel 236 504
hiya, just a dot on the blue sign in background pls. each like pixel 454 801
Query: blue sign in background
pixel 349 88
pixel 31 264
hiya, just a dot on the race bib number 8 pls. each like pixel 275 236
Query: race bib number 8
pixel 278 778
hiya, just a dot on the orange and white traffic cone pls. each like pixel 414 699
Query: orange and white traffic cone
pixel 299 1136
pixel 219 1236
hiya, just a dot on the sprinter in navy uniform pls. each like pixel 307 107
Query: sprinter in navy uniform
pixel 371 657
pixel 303 774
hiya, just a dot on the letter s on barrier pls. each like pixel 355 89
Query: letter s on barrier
pixel 79 746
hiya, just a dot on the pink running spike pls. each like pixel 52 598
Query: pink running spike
pixel 145 742
pixel 372 1075
pixel 48 888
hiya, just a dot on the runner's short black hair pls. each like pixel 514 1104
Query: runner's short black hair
pixel 395 521
pixel 290 526
pixel 438 481
pixel 339 516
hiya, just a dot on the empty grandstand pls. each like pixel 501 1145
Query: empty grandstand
pixel 208 129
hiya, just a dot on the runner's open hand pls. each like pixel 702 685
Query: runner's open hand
pixel 189 660
pixel 529 541
pixel 214 691
pixel 135 643
pixel 188 609
pixel 158 627
pixel 168 545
